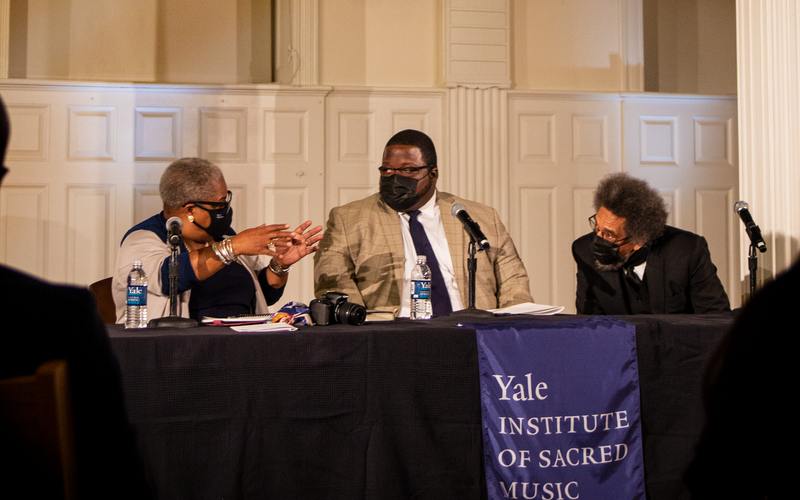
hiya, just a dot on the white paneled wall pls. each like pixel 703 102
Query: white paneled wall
pixel 359 123
pixel 686 148
pixel 86 159
pixel 560 145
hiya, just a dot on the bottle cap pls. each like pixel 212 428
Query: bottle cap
pixel 422 258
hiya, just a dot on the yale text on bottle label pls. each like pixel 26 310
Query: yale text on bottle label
pixel 420 289
pixel 137 295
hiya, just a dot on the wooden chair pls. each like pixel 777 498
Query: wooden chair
pixel 37 437
pixel 105 300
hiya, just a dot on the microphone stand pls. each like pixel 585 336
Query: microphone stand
pixel 754 235
pixel 472 267
pixel 752 262
pixel 742 209
pixel 173 320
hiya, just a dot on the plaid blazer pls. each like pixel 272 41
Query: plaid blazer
pixel 362 254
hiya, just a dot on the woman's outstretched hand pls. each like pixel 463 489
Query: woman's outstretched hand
pixel 269 240
pixel 301 242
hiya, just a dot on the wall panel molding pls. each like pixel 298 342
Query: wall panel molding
pixel 671 197
pixel 537 138
pixel 590 138
pixel 713 141
pixel 157 134
pixel 582 204
pixel 24 242
pixel 223 134
pixel 538 243
pixel 31 137
pixel 146 202
pixel 357 137
pixel 92 133
pixel 90 223
pixel 717 222
pixel 403 119
pixel 353 193
pixel 659 140
pixel 239 205
pixel 286 135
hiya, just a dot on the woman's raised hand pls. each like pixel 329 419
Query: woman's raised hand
pixel 302 242
pixel 273 239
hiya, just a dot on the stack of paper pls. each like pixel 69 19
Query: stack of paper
pixel 529 308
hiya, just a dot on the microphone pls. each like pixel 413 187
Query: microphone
pixel 174 227
pixel 470 226
pixel 753 231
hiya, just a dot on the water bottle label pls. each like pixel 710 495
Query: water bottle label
pixel 421 289
pixel 137 295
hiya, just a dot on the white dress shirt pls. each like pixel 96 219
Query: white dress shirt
pixel 639 270
pixel 431 220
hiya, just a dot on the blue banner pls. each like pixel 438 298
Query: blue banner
pixel 560 403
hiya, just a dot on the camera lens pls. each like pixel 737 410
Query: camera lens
pixel 350 313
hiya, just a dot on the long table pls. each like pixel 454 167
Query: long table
pixel 383 411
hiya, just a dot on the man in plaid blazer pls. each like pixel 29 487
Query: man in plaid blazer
pixel 367 252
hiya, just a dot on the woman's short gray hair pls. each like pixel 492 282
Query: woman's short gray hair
pixel 632 199
pixel 188 179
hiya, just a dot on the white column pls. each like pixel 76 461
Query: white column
pixel 296 39
pixel 632 45
pixel 5 23
pixel 477 72
pixel 478 138
pixel 305 38
pixel 769 128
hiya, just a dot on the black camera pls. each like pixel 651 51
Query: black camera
pixel 333 308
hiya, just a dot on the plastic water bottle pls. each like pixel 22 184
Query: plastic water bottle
pixel 421 289
pixel 136 313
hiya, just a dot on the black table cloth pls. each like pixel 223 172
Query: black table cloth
pixel 379 411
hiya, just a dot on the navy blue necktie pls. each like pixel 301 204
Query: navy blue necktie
pixel 440 298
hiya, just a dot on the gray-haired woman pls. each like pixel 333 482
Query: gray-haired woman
pixel 222 273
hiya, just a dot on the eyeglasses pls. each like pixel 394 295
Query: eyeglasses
pixel 216 205
pixel 605 234
pixel 405 171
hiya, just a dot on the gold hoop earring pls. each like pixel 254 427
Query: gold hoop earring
pixel 191 218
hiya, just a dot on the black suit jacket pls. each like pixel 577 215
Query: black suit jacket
pixel 45 321
pixel 680 278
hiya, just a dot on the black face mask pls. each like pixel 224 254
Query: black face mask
pixel 399 192
pixel 606 253
pixel 221 219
